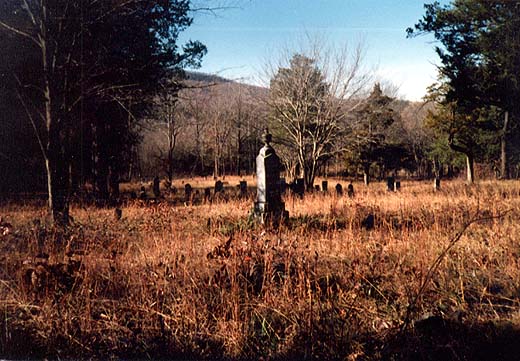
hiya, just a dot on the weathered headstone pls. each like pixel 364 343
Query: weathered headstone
pixel 390 183
pixel 397 186
pixel 243 189
pixel 207 194
pixel 339 189
pixel 368 222
pixel 350 190
pixel 219 187
pixel 268 205
pixel 156 187
pixel 325 186
pixel 187 193
pixel 299 187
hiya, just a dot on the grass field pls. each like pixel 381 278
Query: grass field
pixel 436 278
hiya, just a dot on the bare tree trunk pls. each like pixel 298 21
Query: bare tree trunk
pixel 217 152
pixel 239 149
pixel 504 169
pixel 470 178
pixel 366 173
pixel 216 167
pixel 57 176
pixel 470 159
pixel 436 167
pixel 113 180
pixel 198 146
pixel 170 165
pixel 171 147
pixel 57 179
pixel 309 177
pixel 172 131
pixel 100 163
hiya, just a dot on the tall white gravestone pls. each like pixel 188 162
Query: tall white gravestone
pixel 269 205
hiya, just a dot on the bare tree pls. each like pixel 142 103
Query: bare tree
pixel 312 90
pixel 166 114
pixel 219 117
pixel 245 111
pixel 221 122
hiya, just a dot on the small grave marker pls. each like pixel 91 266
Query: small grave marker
pixel 207 194
pixel 243 189
pixel 187 193
pixel 325 186
pixel 390 183
pixel 350 190
pixel 156 187
pixel 299 187
pixel 219 187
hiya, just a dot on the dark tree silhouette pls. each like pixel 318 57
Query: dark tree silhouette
pixel 95 61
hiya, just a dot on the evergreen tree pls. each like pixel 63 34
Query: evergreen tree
pixel 368 131
pixel 96 60
pixel 480 57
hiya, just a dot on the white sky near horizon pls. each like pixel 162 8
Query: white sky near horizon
pixel 240 39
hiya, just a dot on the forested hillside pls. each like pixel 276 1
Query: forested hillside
pixel 216 124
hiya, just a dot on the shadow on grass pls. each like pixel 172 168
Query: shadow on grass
pixel 436 338
pixel 429 340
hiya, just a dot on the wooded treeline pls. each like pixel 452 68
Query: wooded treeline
pixel 212 128
pixel 79 74
pixel 95 93
pixel 329 116
pixel 478 90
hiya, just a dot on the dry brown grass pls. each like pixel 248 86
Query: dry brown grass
pixel 201 281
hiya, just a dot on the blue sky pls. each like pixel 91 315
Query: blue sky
pixel 240 39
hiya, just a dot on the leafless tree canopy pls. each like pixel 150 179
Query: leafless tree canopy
pixel 312 92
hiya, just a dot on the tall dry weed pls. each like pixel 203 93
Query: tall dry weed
pixel 170 280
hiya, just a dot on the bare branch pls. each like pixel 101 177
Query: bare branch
pixel 312 90
pixel 21 33
pixel 27 8
pixel 438 260
pixel 31 119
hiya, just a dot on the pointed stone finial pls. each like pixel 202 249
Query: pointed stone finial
pixel 267 137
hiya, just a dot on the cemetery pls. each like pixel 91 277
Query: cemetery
pixel 161 201
pixel 244 268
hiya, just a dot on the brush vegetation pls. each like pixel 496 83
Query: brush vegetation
pixel 436 276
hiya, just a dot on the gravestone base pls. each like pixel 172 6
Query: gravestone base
pixel 264 214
